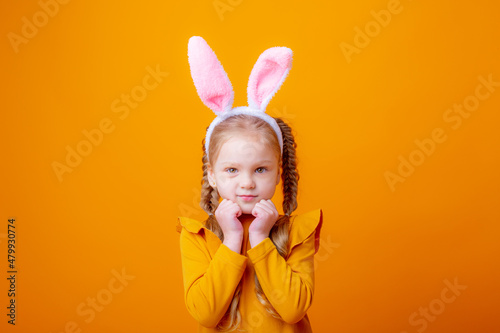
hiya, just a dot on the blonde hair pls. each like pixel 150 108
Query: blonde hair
pixel 289 177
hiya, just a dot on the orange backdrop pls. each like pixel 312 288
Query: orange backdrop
pixel 395 105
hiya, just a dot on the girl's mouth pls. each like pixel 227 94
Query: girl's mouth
pixel 247 197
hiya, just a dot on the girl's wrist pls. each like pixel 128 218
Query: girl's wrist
pixel 233 236
pixel 256 238
pixel 234 245
pixel 233 241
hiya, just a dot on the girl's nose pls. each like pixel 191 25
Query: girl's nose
pixel 247 181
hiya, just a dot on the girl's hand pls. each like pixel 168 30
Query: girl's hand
pixel 227 214
pixel 266 216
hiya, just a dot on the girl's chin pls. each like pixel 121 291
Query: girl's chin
pixel 246 208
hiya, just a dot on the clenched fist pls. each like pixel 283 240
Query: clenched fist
pixel 266 216
pixel 227 214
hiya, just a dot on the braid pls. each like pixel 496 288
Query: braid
pixel 209 196
pixel 209 199
pixel 209 202
pixel 290 175
pixel 279 234
pixel 232 318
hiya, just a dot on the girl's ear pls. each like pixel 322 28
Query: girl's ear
pixel 267 76
pixel 211 81
pixel 211 176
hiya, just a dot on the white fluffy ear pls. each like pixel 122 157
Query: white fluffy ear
pixel 267 76
pixel 211 81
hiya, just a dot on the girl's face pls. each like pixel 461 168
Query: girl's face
pixel 245 172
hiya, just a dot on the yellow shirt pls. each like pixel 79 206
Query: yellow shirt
pixel 212 271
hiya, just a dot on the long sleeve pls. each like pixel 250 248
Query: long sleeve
pixel 287 284
pixel 209 283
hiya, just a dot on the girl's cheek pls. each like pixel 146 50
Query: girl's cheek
pixel 224 178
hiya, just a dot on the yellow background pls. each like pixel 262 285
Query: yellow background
pixel 386 252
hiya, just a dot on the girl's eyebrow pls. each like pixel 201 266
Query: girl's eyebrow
pixel 264 162
pixel 237 164
pixel 229 163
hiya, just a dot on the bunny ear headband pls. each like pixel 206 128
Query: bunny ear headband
pixel 216 92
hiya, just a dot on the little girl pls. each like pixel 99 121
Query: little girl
pixel 246 267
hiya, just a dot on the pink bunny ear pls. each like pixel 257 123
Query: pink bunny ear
pixel 211 81
pixel 268 74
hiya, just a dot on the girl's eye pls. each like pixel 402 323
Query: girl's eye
pixel 260 170
pixel 231 170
